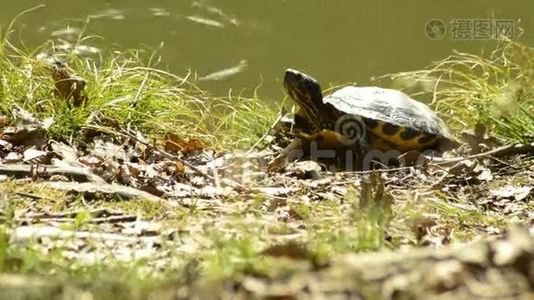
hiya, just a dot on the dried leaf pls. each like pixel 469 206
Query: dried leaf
pixel 151 189
pixel 180 167
pixel 134 170
pixel 47 123
pixel 67 85
pixel 35 156
pixel 25 135
pixel 512 192
pixel 485 175
pixel 92 161
pixel 480 139
pixel 305 170
pixel 23 116
pixel 13 157
pixel 276 191
pixel 175 143
pixel 3 121
pixel 5 146
pixel 68 154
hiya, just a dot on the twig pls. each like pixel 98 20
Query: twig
pixel 33 196
pixel 497 152
pixel 24 233
pixel 165 153
pixel 275 123
pixel 104 188
pixel 381 170
pixel 78 174
pixel 96 213
pixel 114 219
pixel 110 219
pixel 437 161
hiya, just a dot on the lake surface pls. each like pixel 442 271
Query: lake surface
pixel 252 42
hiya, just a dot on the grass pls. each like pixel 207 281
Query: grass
pixel 221 244
pixel 227 245
pixel 217 245
pixel 468 89
pixel 127 88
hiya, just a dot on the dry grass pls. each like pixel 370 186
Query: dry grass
pixel 468 89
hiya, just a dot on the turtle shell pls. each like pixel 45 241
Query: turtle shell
pixel 394 119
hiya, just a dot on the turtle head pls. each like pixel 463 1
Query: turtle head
pixel 306 92
pixel 302 88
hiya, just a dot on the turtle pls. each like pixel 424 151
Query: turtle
pixel 368 118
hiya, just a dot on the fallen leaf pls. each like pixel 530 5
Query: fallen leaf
pixel 5 145
pixel 180 167
pixel 13 157
pixel 485 175
pixel 3 121
pixel 305 169
pixel 92 161
pixel 35 156
pixel 512 192
pixel 175 143
pixel 67 85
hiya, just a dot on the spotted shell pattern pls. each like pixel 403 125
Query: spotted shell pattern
pixel 395 119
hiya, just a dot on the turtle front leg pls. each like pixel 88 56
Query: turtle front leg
pixel 291 152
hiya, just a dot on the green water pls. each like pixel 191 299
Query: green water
pixel 255 41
